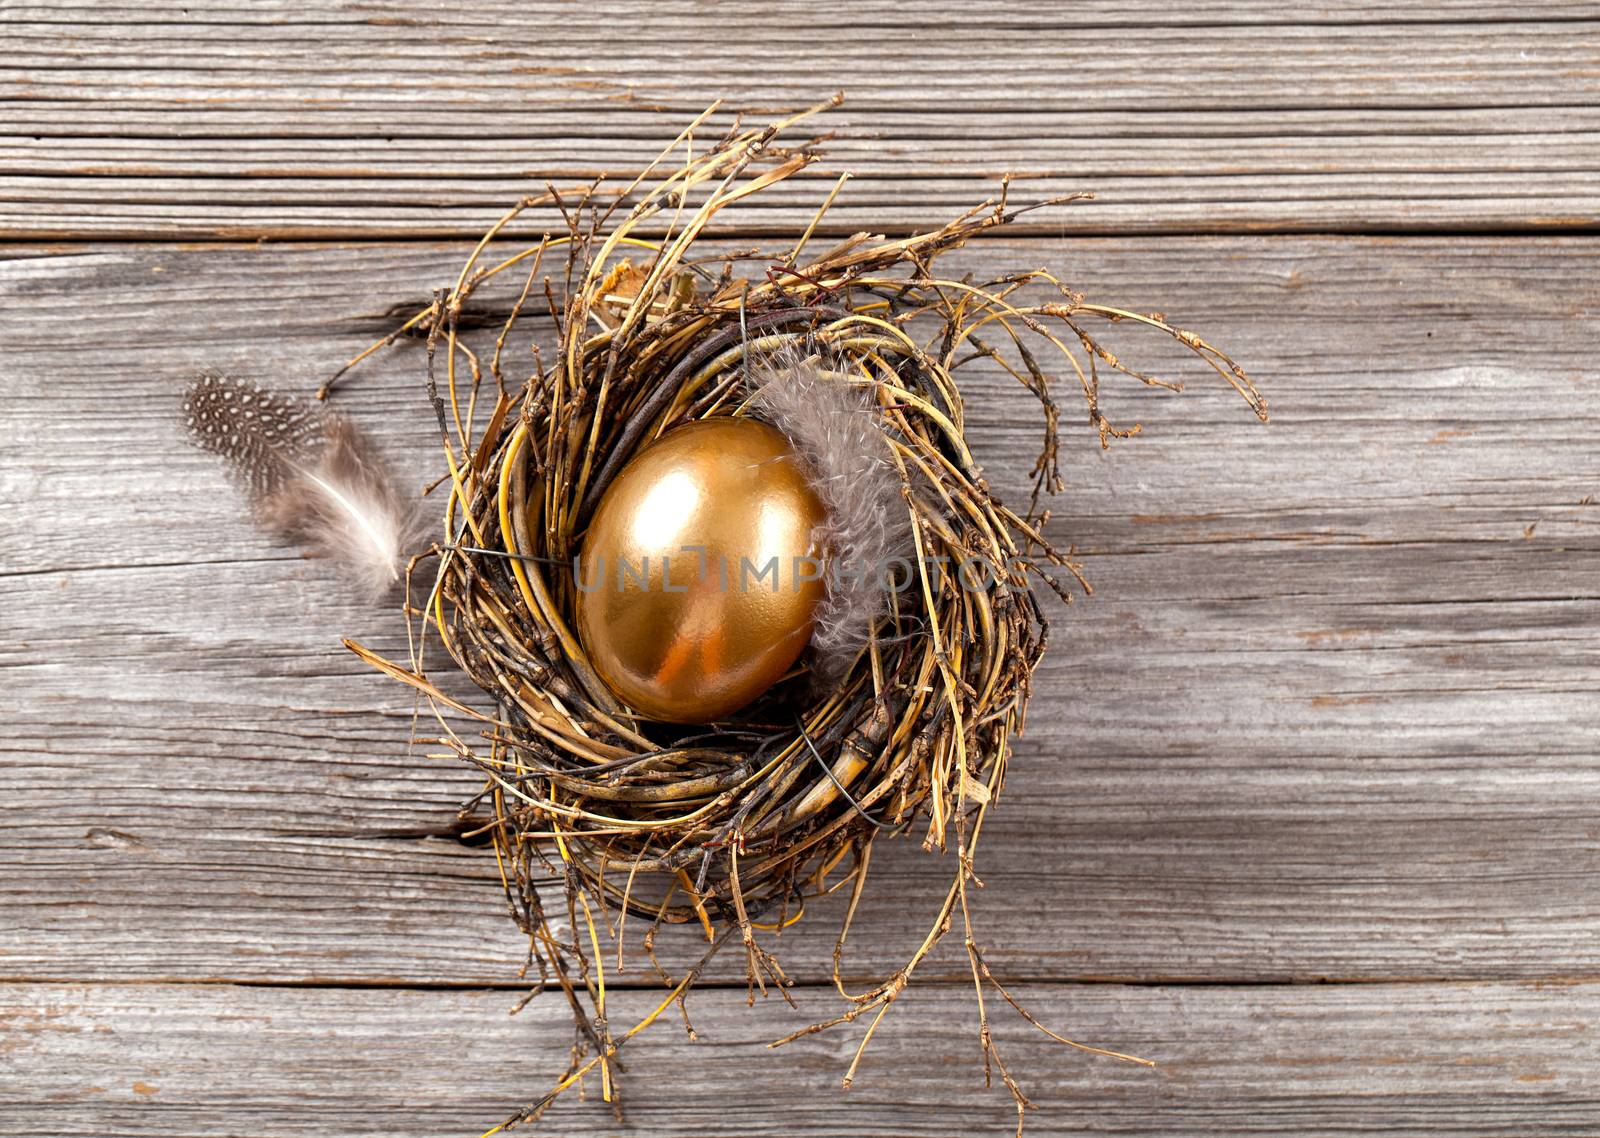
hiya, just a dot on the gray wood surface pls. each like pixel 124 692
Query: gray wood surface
pixel 1204 781
pixel 356 119
pixel 1330 716
pixel 149 1061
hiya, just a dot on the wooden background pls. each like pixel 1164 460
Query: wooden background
pixel 1307 808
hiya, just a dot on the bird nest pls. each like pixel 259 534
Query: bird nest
pixel 733 828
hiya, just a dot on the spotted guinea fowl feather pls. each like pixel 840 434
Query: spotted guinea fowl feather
pixel 311 477
pixel 262 434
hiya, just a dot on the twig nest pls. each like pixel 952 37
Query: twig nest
pixel 877 701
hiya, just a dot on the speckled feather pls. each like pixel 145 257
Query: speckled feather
pixel 261 433
pixel 310 476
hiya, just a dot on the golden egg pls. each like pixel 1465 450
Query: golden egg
pixel 698 579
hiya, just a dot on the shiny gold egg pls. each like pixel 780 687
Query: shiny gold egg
pixel 698 579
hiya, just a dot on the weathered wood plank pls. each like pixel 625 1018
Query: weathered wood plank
pixel 1189 171
pixel 515 57
pixel 1478 1060
pixel 348 121
pixel 1132 14
pixel 1330 714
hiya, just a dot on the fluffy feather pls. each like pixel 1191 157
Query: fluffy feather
pixel 835 428
pixel 310 476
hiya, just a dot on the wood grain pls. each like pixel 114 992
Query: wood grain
pixel 933 16
pixel 1329 715
pixel 1439 1059
pixel 275 121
